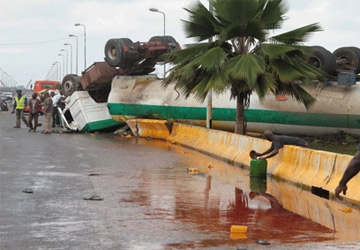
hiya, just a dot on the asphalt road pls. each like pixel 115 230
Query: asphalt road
pixel 149 201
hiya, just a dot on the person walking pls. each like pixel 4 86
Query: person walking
pixel 55 113
pixel 47 109
pixel 351 170
pixel 20 102
pixel 278 141
pixel 34 109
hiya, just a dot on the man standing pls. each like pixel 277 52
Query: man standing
pixel 55 114
pixel 352 169
pixel 34 109
pixel 20 103
pixel 278 141
pixel 47 109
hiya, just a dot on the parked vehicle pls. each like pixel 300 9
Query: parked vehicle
pixel 3 104
pixel 8 95
pixel 41 86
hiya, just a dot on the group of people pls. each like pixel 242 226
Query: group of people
pixel 278 141
pixel 47 103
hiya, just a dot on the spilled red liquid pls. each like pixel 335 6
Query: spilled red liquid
pixel 160 205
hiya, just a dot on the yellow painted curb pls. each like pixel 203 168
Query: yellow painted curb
pixel 229 146
pixel 149 128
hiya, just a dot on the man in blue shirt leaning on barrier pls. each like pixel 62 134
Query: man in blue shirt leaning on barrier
pixel 278 141
pixel 352 169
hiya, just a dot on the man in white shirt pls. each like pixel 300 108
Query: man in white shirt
pixel 55 114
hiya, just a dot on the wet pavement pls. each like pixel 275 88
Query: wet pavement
pixel 146 198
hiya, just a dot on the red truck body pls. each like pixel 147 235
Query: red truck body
pixel 41 86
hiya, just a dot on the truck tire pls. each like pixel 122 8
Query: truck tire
pixel 114 51
pixel 351 55
pixel 70 84
pixel 169 41
pixel 323 59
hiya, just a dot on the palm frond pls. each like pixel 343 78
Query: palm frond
pixel 252 29
pixel 310 73
pixel 218 83
pixel 273 51
pixel 200 90
pixel 187 55
pixel 285 71
pixel 264 83
pixel 235 11
pixel 246 67
pixel 272 15
pixel 296 36
pixel 202 24
pixel 296 91
pixel 212 60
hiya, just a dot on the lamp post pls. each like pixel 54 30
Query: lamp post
pixel 70 56
pixel 66 62
pixel 58 70
pixel 63 64
pixel 209 96
pixel 156 10
pixel 79 24
pixel 77 55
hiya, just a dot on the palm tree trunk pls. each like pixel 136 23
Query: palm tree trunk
pixel 239 125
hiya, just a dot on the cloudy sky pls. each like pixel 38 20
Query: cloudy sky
pixel 32 32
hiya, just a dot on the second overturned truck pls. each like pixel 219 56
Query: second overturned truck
pixel 124 83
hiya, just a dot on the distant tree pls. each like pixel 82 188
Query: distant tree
pixel 243 56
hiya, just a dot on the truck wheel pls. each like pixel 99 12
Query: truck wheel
pixel 114 51
pixel 70 84
pixel 169 41
pixel 350 56
pixel 323 59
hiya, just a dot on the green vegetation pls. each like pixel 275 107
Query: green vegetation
pixel 339 143
pixel 236 51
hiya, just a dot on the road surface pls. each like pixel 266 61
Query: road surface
pixel 148 198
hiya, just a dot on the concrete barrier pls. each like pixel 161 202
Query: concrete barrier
pixel 298 165
pixel 149 128
pixel 224 145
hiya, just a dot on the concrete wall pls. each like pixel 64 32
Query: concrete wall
pixel 298 165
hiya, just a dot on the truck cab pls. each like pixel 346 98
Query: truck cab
pixel 41 87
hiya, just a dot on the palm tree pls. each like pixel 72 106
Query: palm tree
pixel 243 56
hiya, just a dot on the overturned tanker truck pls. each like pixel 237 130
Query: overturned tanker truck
pixel 124 82
pixel 86 103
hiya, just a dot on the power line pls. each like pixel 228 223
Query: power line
pixel 34 43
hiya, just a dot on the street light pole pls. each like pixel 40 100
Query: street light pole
pixel 209 95
pixel 59 70
pixel 156 10
pixel 77 54
pixel 63 65
pixel 79 24
pixel 66 61
pixel 70 56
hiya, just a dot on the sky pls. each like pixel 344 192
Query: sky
pixel 33 32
